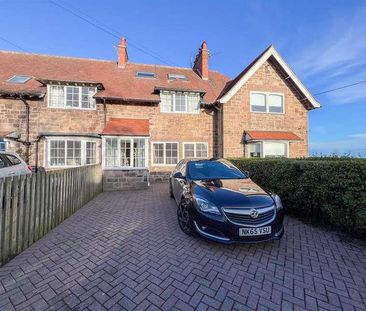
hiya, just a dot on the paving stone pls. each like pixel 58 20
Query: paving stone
pixel 125 251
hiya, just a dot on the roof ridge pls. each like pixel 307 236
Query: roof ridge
pixel 57 56
pixel 101 60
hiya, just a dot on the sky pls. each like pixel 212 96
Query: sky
pixel 323 41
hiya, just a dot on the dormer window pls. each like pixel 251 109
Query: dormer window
pixel 145 74
pixel 175 76
pixel 77 97
pixel 19 79
pixel 179 102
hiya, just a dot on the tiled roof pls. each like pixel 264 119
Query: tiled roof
pixel 118 83
pixel 132 127
pixel 271 135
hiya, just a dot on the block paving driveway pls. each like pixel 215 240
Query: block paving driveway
pixel 124 251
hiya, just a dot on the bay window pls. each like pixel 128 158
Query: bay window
pixel 63 96
pixel 255 150
pixel 91 152
pixel 73 151
pixel 57 153
pixel 268 149
pixel 195 150
pixel 125 152
pixel 164 153
pixel 179 102
pixel 64 152
pixel 267 102
pixel 275 149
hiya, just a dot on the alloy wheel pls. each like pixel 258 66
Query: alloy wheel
pixel 184 218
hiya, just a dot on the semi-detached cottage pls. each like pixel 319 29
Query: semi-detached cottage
pixel 139 120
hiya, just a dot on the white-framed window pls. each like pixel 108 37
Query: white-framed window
pixel 64 96
pixel 195 150
pixel 255 150
pixel 165 153
pixel 71 152
pixel 125 152
pixel 268 149
pixel 267 102
pixel 179 102
pixel 91 152
pixel 3 144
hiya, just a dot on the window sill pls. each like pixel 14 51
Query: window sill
pixel 73 108
pixel 70 166
pixel 180 112
pixel 275 113
pixel 105 168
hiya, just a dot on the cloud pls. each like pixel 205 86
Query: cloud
pixel 341 48
pixel 358 135
pixel 335 59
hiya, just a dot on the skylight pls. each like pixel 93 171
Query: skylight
pixel 19 79
pixel 145 74
pixel 175 76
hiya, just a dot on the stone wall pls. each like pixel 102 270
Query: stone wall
pixel 159 176
pixel 114 180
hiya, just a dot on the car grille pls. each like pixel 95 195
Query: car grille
pixel 242 216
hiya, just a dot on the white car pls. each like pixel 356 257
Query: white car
pixel 12 164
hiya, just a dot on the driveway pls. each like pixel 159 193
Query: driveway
pixel 124 250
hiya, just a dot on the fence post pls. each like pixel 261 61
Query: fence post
pixel 27 211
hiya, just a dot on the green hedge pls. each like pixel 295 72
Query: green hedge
pixel 324 190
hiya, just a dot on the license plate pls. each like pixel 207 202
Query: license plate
pixel 255 231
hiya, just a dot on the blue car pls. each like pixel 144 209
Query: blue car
pixel 219 202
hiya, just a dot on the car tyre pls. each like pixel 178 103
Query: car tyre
pixel 184 218
pixel 171 189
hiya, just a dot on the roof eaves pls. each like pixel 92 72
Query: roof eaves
pixel 21 94
pixel 125 99
pixel 46 81
pixel 164 88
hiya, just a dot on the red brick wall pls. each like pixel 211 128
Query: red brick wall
pixel 237 117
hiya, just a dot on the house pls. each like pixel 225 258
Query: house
pixel 139 120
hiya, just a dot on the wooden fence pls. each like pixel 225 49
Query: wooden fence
pixel 32 205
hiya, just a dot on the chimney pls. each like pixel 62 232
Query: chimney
pixel 200 65
pixel 122 53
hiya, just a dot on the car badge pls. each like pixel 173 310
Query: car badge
pixel 253 213
pixel 246 189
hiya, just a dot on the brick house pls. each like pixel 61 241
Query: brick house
pixel 139 120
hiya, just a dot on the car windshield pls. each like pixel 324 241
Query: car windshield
pixel 203 170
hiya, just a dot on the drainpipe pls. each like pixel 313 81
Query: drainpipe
pixel 105 112
pixel 26 142
pixel 220 130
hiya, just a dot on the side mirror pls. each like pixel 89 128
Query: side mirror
pixel 247 173
pixel 178 175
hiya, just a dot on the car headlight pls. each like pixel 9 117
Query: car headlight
pixel 206 206
pixel 278 201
